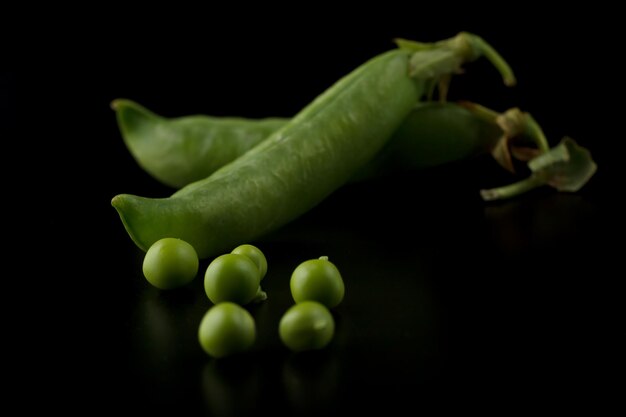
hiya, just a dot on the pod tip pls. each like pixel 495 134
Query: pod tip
pixel 117 201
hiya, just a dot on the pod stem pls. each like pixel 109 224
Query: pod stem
pixel 518 128
pixel 512 190
pixel 482 48
pixel 535 132
pixel 566 167
pixel 482 112
pixel 438 59
pixel 260 296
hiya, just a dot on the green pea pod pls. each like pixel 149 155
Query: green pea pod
pixel 187 149
pixel 182 150
pixel 437 133
pixel 299 165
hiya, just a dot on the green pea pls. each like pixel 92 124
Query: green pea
pixel 255 254
pixel 317 280
pixel 232 277
pixel 307 159
pixel 170 263
pixel 226 329
pixel 306 326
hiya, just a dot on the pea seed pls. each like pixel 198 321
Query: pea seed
pixel 317 280
pixel 306 326
pixel 255 254
pixel 226 329
pixel 170 263
pixel 232 277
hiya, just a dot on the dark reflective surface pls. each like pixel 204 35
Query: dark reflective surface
pixel 450 303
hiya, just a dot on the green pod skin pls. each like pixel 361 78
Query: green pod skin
pixel 290 172
pixel 186 149
pixel 183 150
pixel 299 165
pixel 434 134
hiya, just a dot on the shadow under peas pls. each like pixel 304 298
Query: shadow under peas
pixel 553 258
pixel 550 222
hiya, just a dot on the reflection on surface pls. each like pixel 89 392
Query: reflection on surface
pixel 164 346
pixel 165 322
pixel 311 380
pixel 388 339
pixel 547 222
pixel 231 386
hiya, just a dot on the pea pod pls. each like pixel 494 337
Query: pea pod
pixel 437 133
pixel 186 149
pixel 300 164
pixel 182 150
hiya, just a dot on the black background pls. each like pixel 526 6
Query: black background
pixel 451 302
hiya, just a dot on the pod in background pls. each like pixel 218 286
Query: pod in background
pixel 181 150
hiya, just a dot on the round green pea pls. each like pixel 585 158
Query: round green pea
pixel 255 254
pixel 226 329
pixel 306 326
pixel 170 263
pixel 232 277
pixel 317 280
